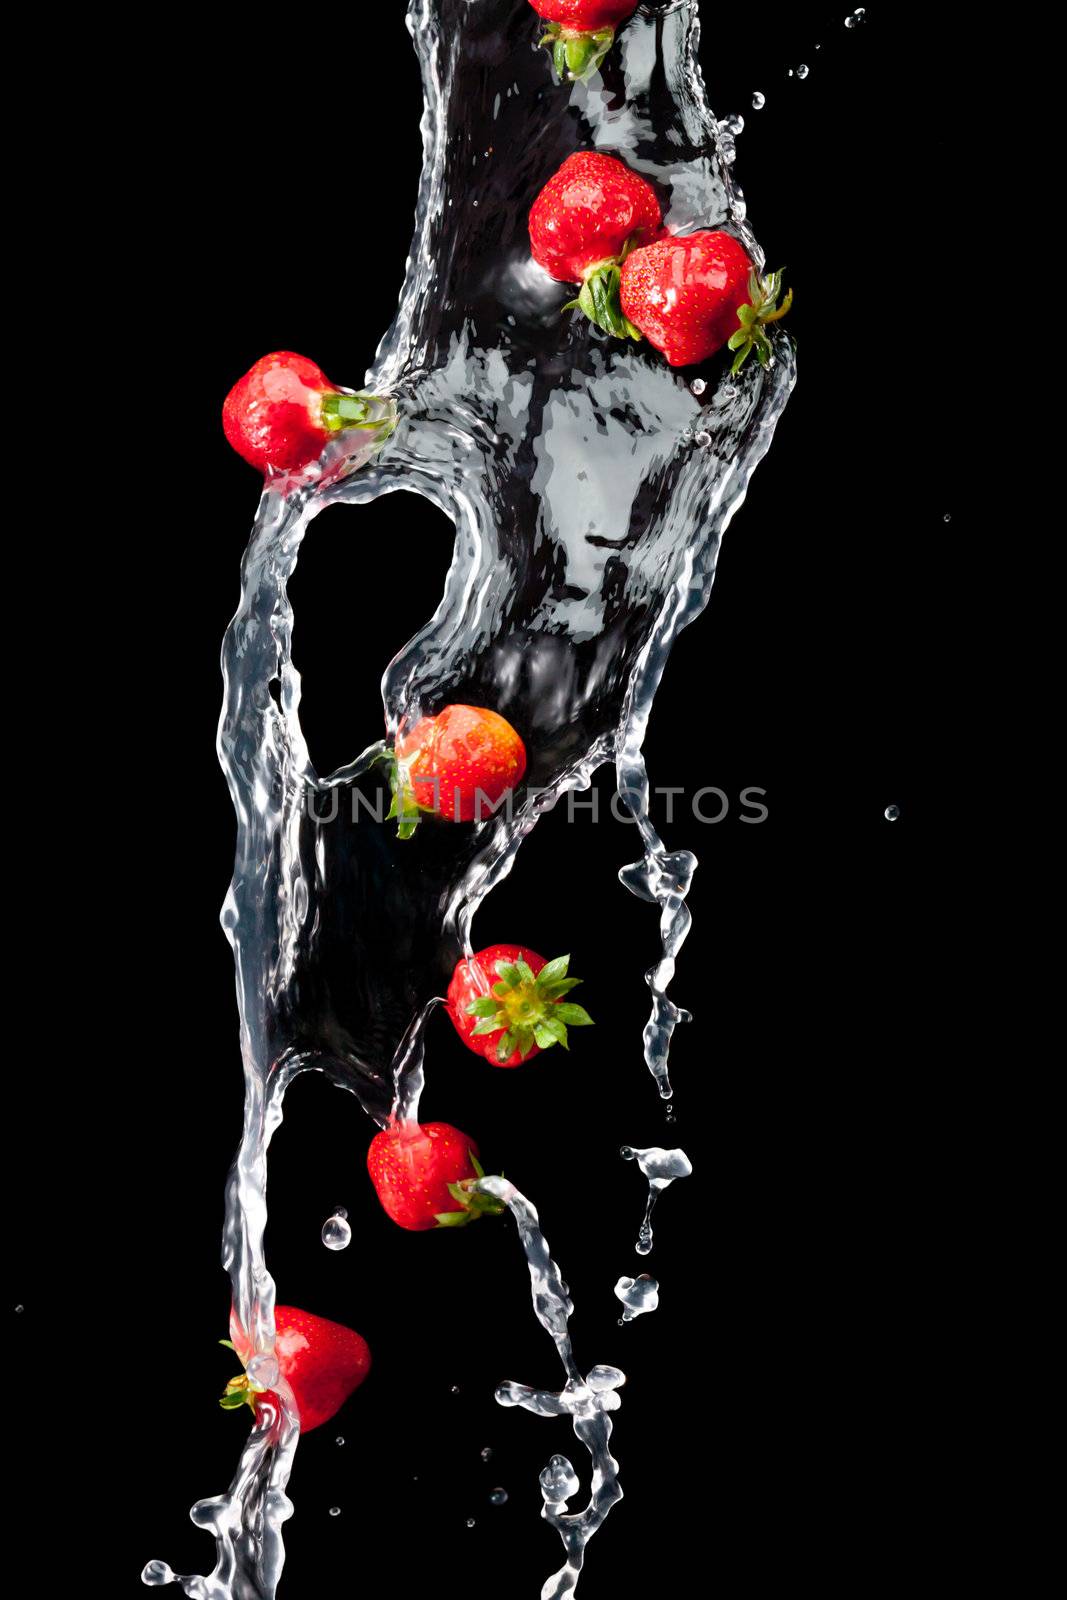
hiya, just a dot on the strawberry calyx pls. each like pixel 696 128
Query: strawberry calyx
pixel 240 1391
pixel 372 412
pixel 762 309
pixel 472 1201
pixel 576 52
pixel 405 809
pixel 526 1010
pixel 599 298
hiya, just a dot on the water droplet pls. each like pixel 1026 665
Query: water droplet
pixel 340 1439
pixel 736 124
pixel 470 1522
pixel 626 1153
pixel 947 516
pixel 499 1497
pixel 340 1211
pixel 336 1233
pixel 789 74
pixel 455 1388
pixel 20 1309
pixel 802 70
pixel 702 439
pixel 858 16
pixel 335 1511
pixel 892 813
pixel 758 101
pixel 156 1573
pixel 697 387
pixel 487 1454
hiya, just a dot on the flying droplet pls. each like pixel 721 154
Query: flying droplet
pixel 340 1439
pixel 758 101
pixel 626 1153
pixel 702 439
pixel 156 1573
pixel 20 1309
pixel 455 1388
pixel 470 1522
pixel 336 1232
pixel 802 70
pixel 892 813
pixel 487 1454
pixel 697 387
pixel 335 1511
pixel 499 1497
pixel 947 516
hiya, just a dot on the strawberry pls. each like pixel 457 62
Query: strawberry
pixel 425 1175
pixel 580 32
pixel 585 222
pixel 284 410
pixel 322 1361
pixel 693 293
pixel 458 764
pixel 507 1005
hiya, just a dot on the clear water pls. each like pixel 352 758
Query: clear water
pixel 587 526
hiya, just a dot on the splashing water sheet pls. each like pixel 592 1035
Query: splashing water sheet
pixel 590 485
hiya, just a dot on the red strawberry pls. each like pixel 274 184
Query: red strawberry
pixel 322 1361
pixel 425 1176
pixel 507 1004
pixel 580 32
pixel 583 225
pixel 284 410
pixel 692 294
pixel 458 764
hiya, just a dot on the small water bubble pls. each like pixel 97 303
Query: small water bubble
pixel 470 1522
pixel 626 1153
pixel 947 518
pixel 336 1233
pixel 758 101
pixel 499 1497
pixel 802 70
pixel 702 439
pixel 697 387
pixel 892 813
pixel 340 1439
pixel 487 1454
pixel 335 1511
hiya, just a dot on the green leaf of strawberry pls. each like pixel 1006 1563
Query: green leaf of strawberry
pixel 523 1012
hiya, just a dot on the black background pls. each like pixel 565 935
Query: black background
pixel 797 1408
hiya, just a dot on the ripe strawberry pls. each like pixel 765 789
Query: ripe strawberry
pixel 580 32
pixel 691 294
pixel 322 1361
pixel 425 1176
pixel 458 764
pixel 584 224
pixel 284 410
pixel 506 1003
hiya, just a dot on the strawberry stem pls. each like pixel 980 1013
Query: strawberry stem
pixel 576 52
pixel 526 1010
pixel 598 298
pixel 372 412
pixel 763 308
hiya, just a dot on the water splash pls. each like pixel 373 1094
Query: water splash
pixel 638 1295
pixel 661 1168
pixel 587 530
pixel 587 1401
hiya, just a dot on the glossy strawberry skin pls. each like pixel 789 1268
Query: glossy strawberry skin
pixel 474 978
pixel 588 212
pixel 684 293
pixel 411 1167
pixel 448 758
pixel 272 416
pixel 585 14
pixel 322 1361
